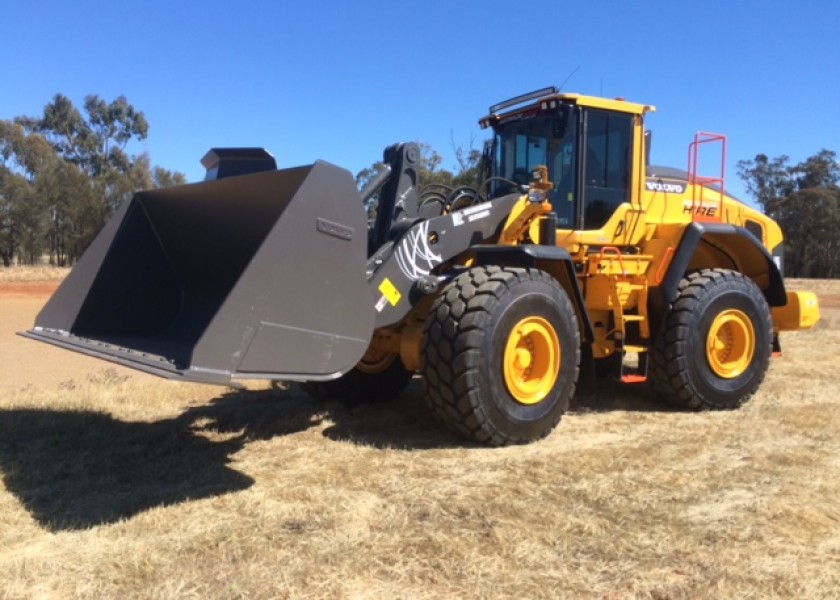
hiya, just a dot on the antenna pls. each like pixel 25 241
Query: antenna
pixel 565 81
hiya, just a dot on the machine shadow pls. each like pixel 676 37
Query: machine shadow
pixel 79 469
pixel 76 469
pixel 610 395
pixel 404 423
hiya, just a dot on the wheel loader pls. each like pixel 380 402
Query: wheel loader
pixel 574 256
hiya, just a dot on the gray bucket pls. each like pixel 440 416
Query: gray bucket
pixel 252 276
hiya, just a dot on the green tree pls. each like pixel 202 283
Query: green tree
pixel 768 181
pixel 72 211
pixel 95 143
pixel 811 221
pixel 164 178
pixel 437 184
pixel 431 172
pixel 805 200
pixel 468 160
pixel 818 171
pixel 76 170
pixel 14 189
pixel 22 214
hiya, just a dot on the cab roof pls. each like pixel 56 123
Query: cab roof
pixel 549 97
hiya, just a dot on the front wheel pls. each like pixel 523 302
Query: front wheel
pixel 714 347
pixel 501 354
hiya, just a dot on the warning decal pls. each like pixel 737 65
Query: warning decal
pixel 390 291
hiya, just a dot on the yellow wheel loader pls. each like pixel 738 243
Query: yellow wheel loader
pixel 574 255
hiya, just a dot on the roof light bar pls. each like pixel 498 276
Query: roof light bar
pixel 523 98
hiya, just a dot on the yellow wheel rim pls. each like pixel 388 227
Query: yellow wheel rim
pixel 730 346
pixel 531 360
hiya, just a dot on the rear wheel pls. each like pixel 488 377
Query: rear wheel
pixel 714 347
pixel 500 356
pixel 379 376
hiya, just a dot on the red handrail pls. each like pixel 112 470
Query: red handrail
pixel 703 211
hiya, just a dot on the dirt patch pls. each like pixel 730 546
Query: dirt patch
pixel 24 362
pixel 40 290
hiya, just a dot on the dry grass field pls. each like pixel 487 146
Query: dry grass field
pixel 116 484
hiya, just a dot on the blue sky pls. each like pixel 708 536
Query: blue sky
pixel 339 81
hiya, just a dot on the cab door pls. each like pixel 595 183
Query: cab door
pixel 606 165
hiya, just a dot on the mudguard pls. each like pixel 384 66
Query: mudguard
pixel 738 246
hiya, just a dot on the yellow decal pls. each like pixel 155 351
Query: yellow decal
pixel 390 291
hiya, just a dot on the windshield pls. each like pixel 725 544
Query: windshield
pixel 521 145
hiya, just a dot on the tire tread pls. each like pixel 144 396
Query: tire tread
pixel 670 352
pixel 459 319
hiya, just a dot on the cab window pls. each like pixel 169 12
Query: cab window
pixel 551 141
pixel 607 164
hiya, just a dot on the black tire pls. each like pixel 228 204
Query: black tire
pixel 373 381
pixel 476 347
pixel 714 347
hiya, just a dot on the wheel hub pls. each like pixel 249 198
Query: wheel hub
pixel 531 360
pixel 730 345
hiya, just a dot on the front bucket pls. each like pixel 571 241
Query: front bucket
pixel 254 276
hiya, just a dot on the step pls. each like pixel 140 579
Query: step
pixel 634 349
pixel 633 318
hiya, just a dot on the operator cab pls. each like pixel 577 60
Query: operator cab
pixel 586 144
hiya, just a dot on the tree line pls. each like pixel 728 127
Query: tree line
pixel 804 199
pixel 63 173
